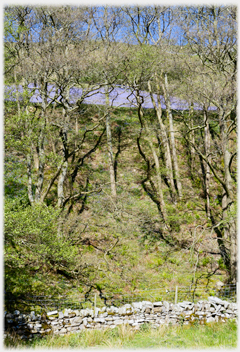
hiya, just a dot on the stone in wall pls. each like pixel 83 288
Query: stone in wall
pixel 135 314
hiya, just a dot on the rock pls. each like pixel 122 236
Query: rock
pixel 112 310
pixel 177 308
pixel 60 315
pixel 127 306
pixel 73 328
pixel 157 309
pixel 206 306
pixel 215 300
pixel 233 306
pixel 139 321
pixel 53 317
pixel 109 318
pixel 137 305
pixel 87 312
pixel 54 312
pixel 9 316
pixel 116 317
pixel 103 315
pixel 199 313
pixel 76 321
pixel 156 313
pixel 147 304
pixel 99 320
pixel 189 312
pixel 184 304
pixel 71 314
pixel 219 285
pixel 84 321
pixel 226 304
pixel 122 311
pixel 166 305
pixel 148 310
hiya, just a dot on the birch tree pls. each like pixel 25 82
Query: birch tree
pixel 216 50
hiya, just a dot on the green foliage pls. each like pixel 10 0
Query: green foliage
pixel 85 246
pixel 32 245
pixel 221 264
pixel 214 335
pixel 206 261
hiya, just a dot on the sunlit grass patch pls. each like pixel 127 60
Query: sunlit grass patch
pixel 214 335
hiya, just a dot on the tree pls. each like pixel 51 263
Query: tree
pixel 108 26
pixel 216 51
pixel 48 64
pixel 154 79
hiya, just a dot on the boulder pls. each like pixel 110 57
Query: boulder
pixel 87 312
pixel 214 299
pixel 147 304
pixel 166 306
pixel 137 305
pixel 112 310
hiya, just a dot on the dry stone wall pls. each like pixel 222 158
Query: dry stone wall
pixel 135 314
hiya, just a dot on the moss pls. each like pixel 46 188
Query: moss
pixel 46 326
pixel 52 317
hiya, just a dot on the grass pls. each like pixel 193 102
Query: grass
pixel 214 335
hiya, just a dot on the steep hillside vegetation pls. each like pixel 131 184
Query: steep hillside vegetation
pixel 107 199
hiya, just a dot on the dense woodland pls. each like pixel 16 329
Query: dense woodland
pixel 111 198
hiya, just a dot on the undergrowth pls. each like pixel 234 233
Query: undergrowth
pixel 211 335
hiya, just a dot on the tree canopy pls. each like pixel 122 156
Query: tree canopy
pixel 100 193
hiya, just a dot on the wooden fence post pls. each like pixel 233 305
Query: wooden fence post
pixel 237 292
pixel 176 295
pixel 95 303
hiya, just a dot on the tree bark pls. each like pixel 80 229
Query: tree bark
pixel 172 138
pixel 61 184
pixel 41 141
pixel 164 138
pixel 229 222
pixel 156 161
pixel 111 159
pixel 207 169
pixel 110 151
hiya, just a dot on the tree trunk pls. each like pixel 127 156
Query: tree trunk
pixel 29 173
pixel 111 159
pixel 110 151
pixel 192 139
pixel 172 138
pixel 156 161
pixel 40 147
pixel 61 184
pixel 207 169
pixel 159 181
pixel 228 212
pixel 164 139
